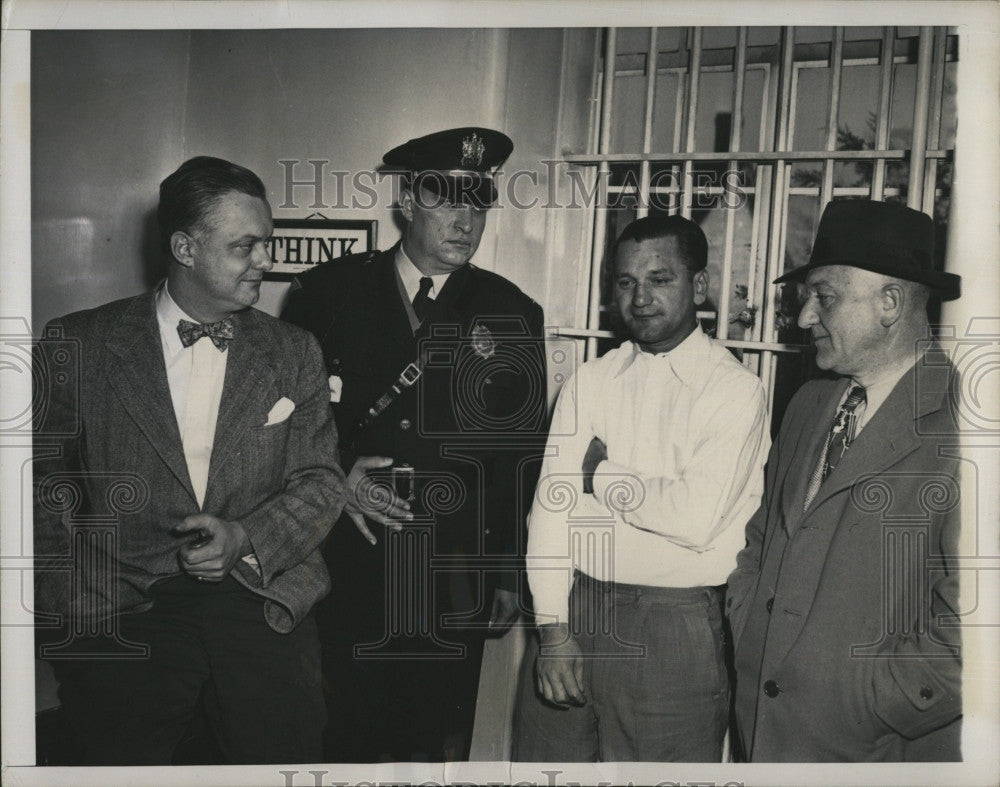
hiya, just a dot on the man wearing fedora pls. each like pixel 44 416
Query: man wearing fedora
pixel 438 384
pixel 844 601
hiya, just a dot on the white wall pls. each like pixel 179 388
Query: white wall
pixel 107 124
pixel 113 112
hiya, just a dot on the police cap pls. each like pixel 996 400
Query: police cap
pixel 456 165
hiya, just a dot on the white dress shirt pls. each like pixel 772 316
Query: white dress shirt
pixel 410 275
pixel 195 375
pixel 687 436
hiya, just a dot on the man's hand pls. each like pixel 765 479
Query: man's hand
pixel 505 611
pixel 559 669
pixel 213 546
pixel 597 452
pixel 367 497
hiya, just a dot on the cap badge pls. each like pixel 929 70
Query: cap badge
pixel 472 151
pixel 483 342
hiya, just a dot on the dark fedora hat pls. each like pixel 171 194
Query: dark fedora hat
pixel 880 237
pixel 457 165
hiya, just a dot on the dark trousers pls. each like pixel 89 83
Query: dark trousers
pixel 400 663
pixel 400 709
pixel 654 675
pixel 208 643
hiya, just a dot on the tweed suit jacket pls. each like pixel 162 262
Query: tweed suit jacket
pixel 844 615
pixel 108 448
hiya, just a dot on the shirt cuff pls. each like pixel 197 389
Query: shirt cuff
pixel 551 616
pixel 551 604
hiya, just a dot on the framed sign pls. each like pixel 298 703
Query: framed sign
pixel 300 244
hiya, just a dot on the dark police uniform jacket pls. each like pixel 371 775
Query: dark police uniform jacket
pixel 472 426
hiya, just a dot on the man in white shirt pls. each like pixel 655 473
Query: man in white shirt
pixel 194 434
pixel 654 464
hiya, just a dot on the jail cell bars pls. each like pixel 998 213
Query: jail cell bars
pixel 813 114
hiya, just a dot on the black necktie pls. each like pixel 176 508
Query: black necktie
pixel 421 303
pixel 221 332
pixel 842 433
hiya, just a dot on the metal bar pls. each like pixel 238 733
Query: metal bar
pixel 736 120
pixel 836 71
pixel 770 347
pixel 586 234
pixel 739 82
pixel 647 135
pixel 793 95
pixel 885 104
pixel 596 88
pixel 762 180
pixel 763 142
pixel 694 76
pixel 934 127
pixel 840 191
pixel 549 223
pixel 750 155
pixel 608 91
pixel 694 73
pixel 915 191
pixel 779 207
pixel 600 213
pixel 762 189
pixel 816 54
pixel 679 105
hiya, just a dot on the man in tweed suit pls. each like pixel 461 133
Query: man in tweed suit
pixel 214 419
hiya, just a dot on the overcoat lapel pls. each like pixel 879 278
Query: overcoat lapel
pixel 138 376
pixel 886 440
pixel 807 452
pixel 251 371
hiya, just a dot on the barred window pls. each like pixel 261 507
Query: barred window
pixel 750 131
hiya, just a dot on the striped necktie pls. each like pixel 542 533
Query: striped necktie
pixel 839 439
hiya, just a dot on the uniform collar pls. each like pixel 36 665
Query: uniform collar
pixel 410 275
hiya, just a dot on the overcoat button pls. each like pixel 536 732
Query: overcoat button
pixel 926 693
pixel 405 424
pixel 771 688
pixel 770 603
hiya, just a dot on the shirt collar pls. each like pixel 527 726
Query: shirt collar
pixel 410 275
pixel 684 360
pixel 169 314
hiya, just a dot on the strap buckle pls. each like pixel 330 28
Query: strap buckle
pixel 410 375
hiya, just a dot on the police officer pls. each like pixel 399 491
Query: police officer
pixel 437 378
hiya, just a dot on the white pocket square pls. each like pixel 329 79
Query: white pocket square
pixel 336 387
pixel 281 410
